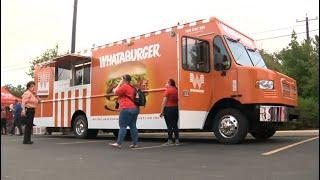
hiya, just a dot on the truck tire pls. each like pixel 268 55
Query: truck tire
pixel 261 132
pixel 80 127
pixel 230 126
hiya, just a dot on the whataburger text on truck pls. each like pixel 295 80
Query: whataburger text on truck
pixel 224 84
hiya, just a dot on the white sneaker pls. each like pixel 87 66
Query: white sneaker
pixel 169 142
pixel 177 142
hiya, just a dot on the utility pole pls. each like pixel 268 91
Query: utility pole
pixel 74 24
pixel 307 25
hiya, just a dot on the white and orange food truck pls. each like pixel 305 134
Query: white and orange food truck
pixel 223 82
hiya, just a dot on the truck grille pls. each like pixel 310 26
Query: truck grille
pixel 288 89
pixel 270 93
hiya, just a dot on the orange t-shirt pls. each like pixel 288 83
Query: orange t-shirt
pixel 126 95
pixel 172 96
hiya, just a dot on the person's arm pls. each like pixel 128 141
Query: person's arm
pixel 24 100
pixel 164 101
pixel 117 90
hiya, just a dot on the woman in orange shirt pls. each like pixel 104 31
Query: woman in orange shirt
pixel 169 110
pixel 30 101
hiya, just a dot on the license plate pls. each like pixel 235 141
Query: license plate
pixel 273 114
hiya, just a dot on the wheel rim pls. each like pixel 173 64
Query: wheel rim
pixel 80 127
pixel 228 126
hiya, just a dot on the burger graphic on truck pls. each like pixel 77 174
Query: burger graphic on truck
pixel 138 73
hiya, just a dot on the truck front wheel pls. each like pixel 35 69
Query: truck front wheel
pixel 230 126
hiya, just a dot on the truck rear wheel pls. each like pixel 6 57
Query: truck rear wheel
pixel 261 132
pixel 80 127
pixel 230 126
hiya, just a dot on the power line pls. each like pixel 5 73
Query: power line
pixel 276 29
pixel 274 37
pixel 271 30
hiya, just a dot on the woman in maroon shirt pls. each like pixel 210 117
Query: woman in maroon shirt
pixel 129 111
pixel 169 110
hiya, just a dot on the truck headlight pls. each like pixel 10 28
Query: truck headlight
pixel 265 84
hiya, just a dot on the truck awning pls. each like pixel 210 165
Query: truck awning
pixel 65 59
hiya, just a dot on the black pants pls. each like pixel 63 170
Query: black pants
pixel 171 116
pixel 29 124
pixel 16 123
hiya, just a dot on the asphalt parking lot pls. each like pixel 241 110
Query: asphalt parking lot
pixel 287 155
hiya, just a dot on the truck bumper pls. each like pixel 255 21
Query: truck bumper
pixel 277 113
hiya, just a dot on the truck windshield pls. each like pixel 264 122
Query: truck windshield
pixel 243 55
pixel 256 58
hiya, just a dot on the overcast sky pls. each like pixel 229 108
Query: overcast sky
pixel 29 27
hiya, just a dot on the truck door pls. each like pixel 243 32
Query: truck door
pixel 194 82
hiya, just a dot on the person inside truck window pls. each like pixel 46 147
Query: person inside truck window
pixel 195 55
pixel 169 110
pixel 221 58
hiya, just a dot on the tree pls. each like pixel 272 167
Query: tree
pixel 312 86
pixel 46 56
pixel 271 61
pixel 296 62
pixel 16 91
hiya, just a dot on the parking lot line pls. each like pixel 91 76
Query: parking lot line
pixel 288 146
pixel 151 147
pixel 82 142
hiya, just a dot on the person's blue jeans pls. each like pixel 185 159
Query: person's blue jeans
pixel 128 117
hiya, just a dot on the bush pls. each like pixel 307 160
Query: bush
pixel 309 112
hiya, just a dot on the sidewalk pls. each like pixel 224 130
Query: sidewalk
pixel 41 130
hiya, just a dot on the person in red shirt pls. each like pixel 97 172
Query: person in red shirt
pixel 128 111
pixel 170 111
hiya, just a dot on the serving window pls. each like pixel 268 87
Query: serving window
pixel 73 70
pixel 82 73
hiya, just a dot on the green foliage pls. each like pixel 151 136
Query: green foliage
pixel 301 62
pixel 271 61
pixel 309 112
pixel 46 56
pixel 16 91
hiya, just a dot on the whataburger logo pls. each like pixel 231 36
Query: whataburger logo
pixel 197 82
pixel 138 54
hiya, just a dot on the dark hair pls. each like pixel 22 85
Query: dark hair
pixel 127 77
pixel 172 83
pixel 30 83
